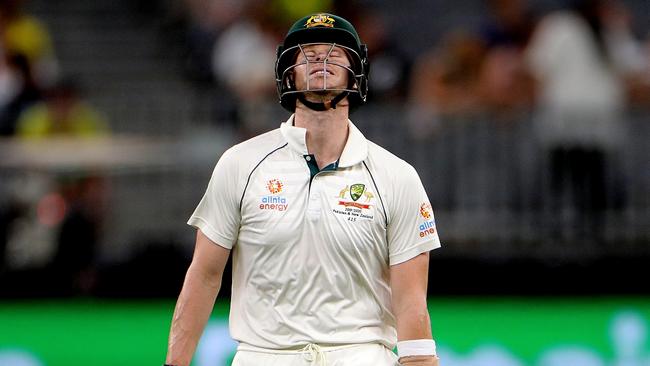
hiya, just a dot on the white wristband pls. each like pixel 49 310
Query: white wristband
pixel 417 347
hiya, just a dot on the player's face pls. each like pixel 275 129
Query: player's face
pixel 321 68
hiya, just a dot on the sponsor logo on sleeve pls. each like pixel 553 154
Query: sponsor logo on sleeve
pixel 428 227
pixel 274 201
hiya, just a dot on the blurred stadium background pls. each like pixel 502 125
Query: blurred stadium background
pixel 528 121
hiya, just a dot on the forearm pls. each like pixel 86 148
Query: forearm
pixel 413 320
pixel 192 312
pixel 415 345
pixel 413 323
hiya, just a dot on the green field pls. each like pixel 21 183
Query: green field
pixel 536 332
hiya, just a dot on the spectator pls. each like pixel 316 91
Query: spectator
pixel 23 34
pixel 390 67
pixel 243 60
pixel 63 113
pixel 78 237
pixel 241 53
pixel 632 56
pixel 509 24
pixel 445 81
pixel 505 85
pixel 18 91
pixel 205 21
pixel 580 121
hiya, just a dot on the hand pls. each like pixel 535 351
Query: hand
pixel 419 361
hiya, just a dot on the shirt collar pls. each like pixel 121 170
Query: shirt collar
pixel 354 152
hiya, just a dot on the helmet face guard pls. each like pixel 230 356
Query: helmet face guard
pixel 286 82
pixel 338 33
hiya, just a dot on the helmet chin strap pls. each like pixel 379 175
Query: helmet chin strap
pixel 319 107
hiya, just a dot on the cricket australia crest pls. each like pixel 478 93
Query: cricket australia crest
pixel 353 210
pixel 356 190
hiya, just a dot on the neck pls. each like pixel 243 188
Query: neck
pixel 327 131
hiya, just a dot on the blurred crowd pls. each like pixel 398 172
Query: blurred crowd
pixel 576 69
pixel 231 46
pixel 37 102
pixel 517 58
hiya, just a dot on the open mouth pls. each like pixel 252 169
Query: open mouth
pixel 321 72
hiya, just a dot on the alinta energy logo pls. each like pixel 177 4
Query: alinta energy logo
pixel 428 227
pixel 274 201
pixel 274 186
pixel 425 210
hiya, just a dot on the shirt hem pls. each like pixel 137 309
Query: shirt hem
pixel 414 252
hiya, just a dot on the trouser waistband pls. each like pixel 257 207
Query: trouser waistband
pixel 304 349
pixel 313 353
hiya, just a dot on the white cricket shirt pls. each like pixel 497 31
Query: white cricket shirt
pixel 312 249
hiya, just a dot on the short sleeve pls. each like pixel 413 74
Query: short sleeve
pixel 411 225
pixel 218 215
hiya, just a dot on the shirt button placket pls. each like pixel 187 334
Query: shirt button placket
pixel 314 204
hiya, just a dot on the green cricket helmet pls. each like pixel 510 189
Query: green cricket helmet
pixel 329 29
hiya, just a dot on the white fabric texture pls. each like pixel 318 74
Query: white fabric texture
pixel 311 257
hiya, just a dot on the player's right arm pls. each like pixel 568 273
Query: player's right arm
pixel 195 303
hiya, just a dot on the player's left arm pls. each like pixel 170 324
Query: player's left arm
pixel 408 281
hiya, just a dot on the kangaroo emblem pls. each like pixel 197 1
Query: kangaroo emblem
pixel 368 196
pixel 343 191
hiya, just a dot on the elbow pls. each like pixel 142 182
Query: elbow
pixel 209 279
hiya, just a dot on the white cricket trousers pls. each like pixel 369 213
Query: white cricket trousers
pixel 369 354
